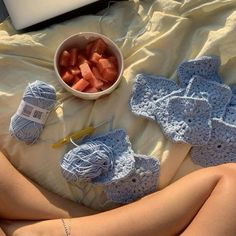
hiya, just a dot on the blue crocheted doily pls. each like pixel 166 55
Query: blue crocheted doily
pixel 189 120
pixel 221 147
pixel 205 66
pixel 147 90
pixel 141 182
pixel 113 149
pixel 218 95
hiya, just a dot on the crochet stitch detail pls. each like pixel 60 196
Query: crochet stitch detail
pixel 230 115
pixel 188 120
pixel 160 112
pixel 141 182
pixel 218 95
pixel 205 66
pixel 147 90
pixel 221 147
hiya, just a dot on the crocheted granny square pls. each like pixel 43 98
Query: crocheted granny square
pixel 141 182
pixel 160 112
pixel 147 90
pixel 100 159
pixel 189 120
pixel 221 147
pixel 218 95
pixel 205 66
pixel 230 115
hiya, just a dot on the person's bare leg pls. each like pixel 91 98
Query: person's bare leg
pixel 2 233
pixel 218 215
pixel 20 198
pixel 167 212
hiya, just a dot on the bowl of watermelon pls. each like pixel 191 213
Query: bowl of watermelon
pixel 89 65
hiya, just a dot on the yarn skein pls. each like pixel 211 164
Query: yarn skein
pixel 87 161
pixel 28 122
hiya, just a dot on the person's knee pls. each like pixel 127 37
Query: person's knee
pixel 228 177
pixel 228 169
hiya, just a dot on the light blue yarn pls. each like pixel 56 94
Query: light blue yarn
pixel 39 94
pixel 87 161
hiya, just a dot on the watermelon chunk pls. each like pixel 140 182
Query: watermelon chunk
pixel 109 74
pixel 68 78
pixel 81 85
pixel 99 46
pixel 86 71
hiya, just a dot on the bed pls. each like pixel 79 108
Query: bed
pixel 154 36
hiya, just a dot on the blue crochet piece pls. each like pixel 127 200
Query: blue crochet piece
pixel 205 66
pixel 233 99
pixel 218 95
pixel 221 147
pixel 189 120
pixel 147 90
pixel 123 155
pixel 87 161
pixel 160 112
pixel 233 88
pixel 230 115
pixel 141 182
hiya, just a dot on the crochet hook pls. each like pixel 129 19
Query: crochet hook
pixel 75 135
pixel 79 134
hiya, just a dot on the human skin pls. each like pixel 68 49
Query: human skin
pixel 22 199
pixel 201 203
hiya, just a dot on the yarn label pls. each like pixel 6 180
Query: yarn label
pixel 32 113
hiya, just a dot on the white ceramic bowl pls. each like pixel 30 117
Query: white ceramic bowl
pixel 80 40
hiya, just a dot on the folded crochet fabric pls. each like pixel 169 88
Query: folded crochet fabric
pixel 160 111
pixel 221 147
pixel 233 88
pixel 189 120
pixel 205 66
pixel 218 95
pixel 233 99
pixel 230 115
pixel 101 159
pixel 141 182
pixel 147 90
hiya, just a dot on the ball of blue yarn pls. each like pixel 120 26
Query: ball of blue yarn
pixel 87 161
pixel 39 94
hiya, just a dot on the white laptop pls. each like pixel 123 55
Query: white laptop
pixel 25 13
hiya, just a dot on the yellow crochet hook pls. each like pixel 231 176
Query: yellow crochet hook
pixel 75 135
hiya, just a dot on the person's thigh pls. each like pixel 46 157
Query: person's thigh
pixel 22 199
pixel 2 233
pixel 167 212
pixel 217 217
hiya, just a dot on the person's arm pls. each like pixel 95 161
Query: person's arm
pixel 22 199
